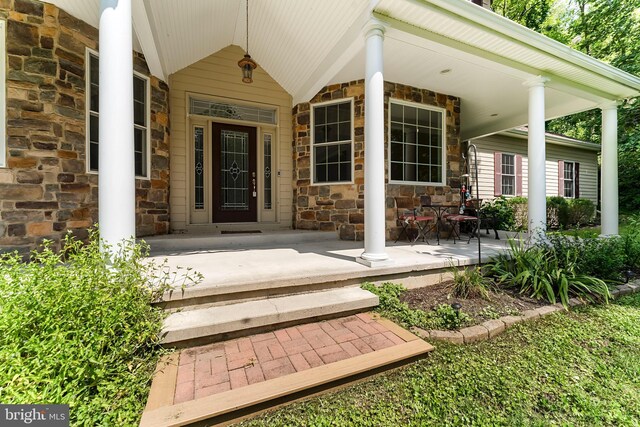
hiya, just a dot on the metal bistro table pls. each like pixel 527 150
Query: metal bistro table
pixel 439 209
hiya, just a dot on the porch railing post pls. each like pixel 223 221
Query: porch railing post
pixel 116 181
pixel 374 188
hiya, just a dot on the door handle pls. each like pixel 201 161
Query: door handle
pixel 255 193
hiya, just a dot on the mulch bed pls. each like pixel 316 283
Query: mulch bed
pixel 500 303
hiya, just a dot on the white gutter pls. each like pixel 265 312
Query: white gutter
pixel 555 139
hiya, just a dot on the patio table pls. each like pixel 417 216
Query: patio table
pixel 438 209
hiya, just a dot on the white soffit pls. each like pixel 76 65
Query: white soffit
pixel 461 22
pixel 89 12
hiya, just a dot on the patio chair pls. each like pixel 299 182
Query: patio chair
pixel 469 217
pixel 407 215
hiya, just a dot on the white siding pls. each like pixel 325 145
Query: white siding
pixel 588 160
pixel 219 77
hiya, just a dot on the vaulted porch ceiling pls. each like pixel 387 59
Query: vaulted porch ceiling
pixel 307 44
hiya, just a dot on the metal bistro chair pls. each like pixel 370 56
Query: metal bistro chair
pixel 407 215
pixel 470 216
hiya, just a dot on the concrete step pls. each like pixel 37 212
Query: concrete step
pixel 204 325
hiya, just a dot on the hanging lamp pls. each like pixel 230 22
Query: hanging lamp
pixel 246 63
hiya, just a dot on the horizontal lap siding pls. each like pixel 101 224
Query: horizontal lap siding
pixel 219 76
pixel 588 165
pixel 486 147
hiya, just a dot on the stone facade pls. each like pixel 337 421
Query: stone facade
pixel 45 189
pixel 341 207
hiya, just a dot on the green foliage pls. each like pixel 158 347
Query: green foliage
pixel 557 212
pixel 77 330
pixel 500 209
pixel 580 211
pixel 530 13
pixel 394 309
pixel 391 307
pixel 591 256
pixel 520 213
pixel 540 272
pixel 490 313
pixel 470 283
pixel 629 178
pixel 445 317
pixel 575 369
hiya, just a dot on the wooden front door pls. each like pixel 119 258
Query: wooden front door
pixel 234 173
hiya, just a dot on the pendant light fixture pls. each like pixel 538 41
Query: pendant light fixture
pixel 247 64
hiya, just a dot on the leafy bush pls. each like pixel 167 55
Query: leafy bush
pixel 541 273
pixel 520 213
pixel 598 257
pixel 557 212
pixel 581 211
pixel 442 317
pixel 628 178
pixel 499 209
pixel 78 330
pixel 470 282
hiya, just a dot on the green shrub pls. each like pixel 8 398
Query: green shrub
pixel 557 212
pixel 580 212
pixel 77 330
pixel 593 256
pixel 520 213
pixel 499 209
pixel 631 248
pixel 470 283
pixel 539 272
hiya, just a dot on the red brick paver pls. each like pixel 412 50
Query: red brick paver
pixel 216 368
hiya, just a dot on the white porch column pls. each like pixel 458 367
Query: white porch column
pixel 374 190
pixel 116 181
pixel 537 192
pixel 609 184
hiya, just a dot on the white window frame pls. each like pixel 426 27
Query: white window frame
pixel 89 112
pixel 573 181
pixel 3 94
pixel 502 174
pixel 443 128
pixel 312 126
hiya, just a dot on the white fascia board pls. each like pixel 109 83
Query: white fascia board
pixel 338 57
pixel 144 32
pixel 526 36
pixel 555 139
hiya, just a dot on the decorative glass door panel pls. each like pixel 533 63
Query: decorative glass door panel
pixel 234 173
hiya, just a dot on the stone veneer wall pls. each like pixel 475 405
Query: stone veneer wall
pixel 341 207
pixel 45 189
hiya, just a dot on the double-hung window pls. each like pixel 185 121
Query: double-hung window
pixel 569 179
pixel 508 174
pixel 332 142
pixel 417 144
pixel 140 118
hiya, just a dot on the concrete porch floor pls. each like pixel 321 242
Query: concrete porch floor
pixel 297 258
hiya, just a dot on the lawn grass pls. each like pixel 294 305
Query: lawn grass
pixel 578 368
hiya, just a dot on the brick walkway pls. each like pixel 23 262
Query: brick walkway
pixel 215 368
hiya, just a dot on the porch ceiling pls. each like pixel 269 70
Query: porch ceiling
pixel 307 44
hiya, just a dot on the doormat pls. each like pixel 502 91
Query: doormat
pixel 240 232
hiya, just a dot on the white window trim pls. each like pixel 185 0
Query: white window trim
pixel 3 95
pixel 88 53
pixel 515 175
pixel 573 181
pixel 312 136
pixel 444 142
